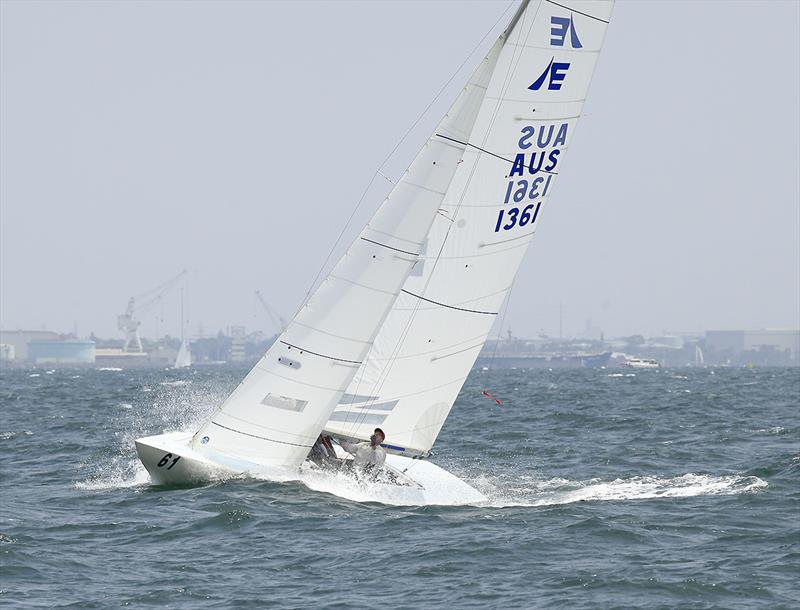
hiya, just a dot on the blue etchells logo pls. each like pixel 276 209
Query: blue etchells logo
pixel 554 74
pixel 559 28
pixel 556 71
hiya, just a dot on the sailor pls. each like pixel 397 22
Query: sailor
pixel 322 453
pixel 368 457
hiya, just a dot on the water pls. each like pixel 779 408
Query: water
pixel 672 488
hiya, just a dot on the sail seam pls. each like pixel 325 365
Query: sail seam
pixel 364 286
pixel 425 188
pixel 428 353
pixel 505 241
pixel 488 313
pixel 298 381
pixel 544 120
pixel 545 48
pixel 579 12
pixel 531 102
pixel 318 330
pixel 263 438
pixel 466 349
pixel 410 241
pixel 308 351
pixel 377 243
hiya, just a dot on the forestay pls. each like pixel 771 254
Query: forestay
pixel 277 412
pixel 436 328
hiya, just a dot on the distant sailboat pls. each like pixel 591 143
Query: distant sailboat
pixel 699 359
pixel 184 357
pixel 390 336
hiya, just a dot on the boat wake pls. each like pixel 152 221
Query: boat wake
pixel 556 491
pixel 500 493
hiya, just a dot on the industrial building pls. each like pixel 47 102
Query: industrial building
pixel 61 352
pixel 19 339
pixel 755 346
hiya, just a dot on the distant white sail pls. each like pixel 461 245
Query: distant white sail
pixel 699 359
pixel 184 357
pixel 277 412
pixel 436 328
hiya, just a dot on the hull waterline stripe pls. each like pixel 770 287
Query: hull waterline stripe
pixel 488 313
pixel 579 12
pixel 377 243
pixel 263 438
pixel 308 351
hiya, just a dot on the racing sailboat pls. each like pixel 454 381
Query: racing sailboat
pixel 390 336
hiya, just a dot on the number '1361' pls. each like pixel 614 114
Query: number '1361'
pixel 516 218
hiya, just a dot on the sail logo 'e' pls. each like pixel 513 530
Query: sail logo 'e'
pixel 556 71
pixel 560 27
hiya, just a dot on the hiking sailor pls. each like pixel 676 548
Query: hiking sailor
pixel 368 457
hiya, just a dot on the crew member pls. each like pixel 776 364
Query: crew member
pixel 368 457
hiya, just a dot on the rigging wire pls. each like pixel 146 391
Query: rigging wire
pixel 378 171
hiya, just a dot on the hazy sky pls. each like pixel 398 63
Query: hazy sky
pixel 233 139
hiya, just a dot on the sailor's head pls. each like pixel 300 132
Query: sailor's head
pixel 377 437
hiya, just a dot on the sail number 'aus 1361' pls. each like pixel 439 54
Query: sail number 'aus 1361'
pixel 525 188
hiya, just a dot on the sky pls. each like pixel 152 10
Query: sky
pixel 234 140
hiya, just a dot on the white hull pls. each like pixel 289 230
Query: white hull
pixel 170 460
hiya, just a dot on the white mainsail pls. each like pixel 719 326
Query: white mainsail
pixel 184 357
pixel 436 328
pixel 277 412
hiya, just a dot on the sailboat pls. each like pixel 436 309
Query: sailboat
pixel 184 358
pixel 389 337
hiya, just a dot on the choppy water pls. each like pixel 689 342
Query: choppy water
pixel 673 488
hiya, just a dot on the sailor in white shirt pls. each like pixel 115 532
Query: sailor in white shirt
pixel 368 457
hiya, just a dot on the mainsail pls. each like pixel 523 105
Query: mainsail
pixel 514 152
pixel 277 412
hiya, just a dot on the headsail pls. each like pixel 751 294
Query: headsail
pixel 429 342
pixel 276 413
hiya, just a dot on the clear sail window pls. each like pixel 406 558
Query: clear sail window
pixel 284 402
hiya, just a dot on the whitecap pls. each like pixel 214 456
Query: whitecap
pixel 773 430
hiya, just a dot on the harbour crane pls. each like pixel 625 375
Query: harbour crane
pixel 138 305
pixel 278 320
